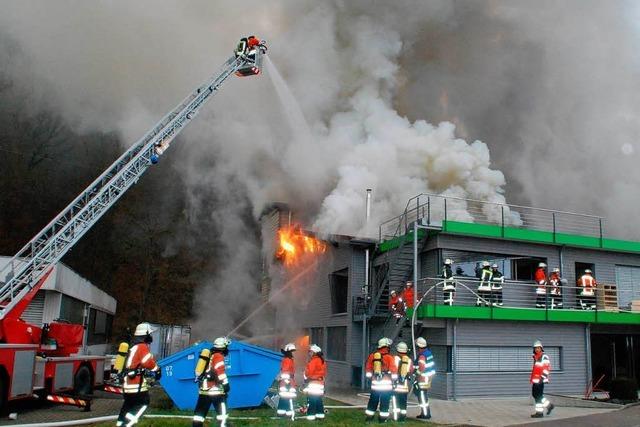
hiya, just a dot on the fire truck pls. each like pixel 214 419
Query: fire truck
pixel 44 360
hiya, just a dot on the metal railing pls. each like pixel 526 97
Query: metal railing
pixel 434 209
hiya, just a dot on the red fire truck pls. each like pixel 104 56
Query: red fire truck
pixel 44 360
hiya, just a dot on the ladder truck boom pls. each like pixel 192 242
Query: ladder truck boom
pixel 22 276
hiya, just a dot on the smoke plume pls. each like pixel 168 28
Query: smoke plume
pixel 393 96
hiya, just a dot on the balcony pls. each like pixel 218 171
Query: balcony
pixel 519 304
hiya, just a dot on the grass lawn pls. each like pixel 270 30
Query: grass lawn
pixel 265 417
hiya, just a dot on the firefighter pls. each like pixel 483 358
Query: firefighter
pixel 497 281
pixel 381 370
pixel 540 276
pixel 408 295
pixel 397 306
pixel 287 390
pixel 213 385
pixel 404 366
pixel 242 47
pixel 484 286
pixel 555 284
pixel 314 377
pixel 449 285
pixel 140 368
pixel 425 369
pixel 539 377
pixel 587 291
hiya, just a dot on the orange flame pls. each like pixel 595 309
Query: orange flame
pixel 293 244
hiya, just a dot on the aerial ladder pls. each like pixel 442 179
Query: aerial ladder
pixel 26 272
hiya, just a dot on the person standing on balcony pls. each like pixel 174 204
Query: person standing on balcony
pixel 497 280
pixel 425 370
pixel 382 372
pixel 540 277
pixel 587 291
pixel 555 291
pixel 540 377
pixel 397 306
pixel 408 294
pixel 449 284
pixel 484 287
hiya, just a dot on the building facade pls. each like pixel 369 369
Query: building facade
pixel 479 350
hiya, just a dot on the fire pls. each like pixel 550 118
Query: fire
pixel 293 244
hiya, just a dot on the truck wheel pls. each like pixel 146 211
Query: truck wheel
pixel 83 381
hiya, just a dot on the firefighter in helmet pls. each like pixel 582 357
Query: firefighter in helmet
pixel 139 370
pixel 382 372
pixel 213 384
pixel 425 370
pixel 540 276
pixel 287 386
pixel 555 291
pixel 587 291
pixel 449 285
pixel 497 281
pixel 404 366
pixel 408 294
pixel 484 287
pixel 397 306
pixel 315 374
pixel 539 377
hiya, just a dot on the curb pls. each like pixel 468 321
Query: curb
pixel 573 402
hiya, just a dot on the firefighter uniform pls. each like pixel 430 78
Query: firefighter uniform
pixel 484 287
pixel 449 285
pixel 287 385
pixel 314 377
pixel 404 366
pixel 213 385
pixel 555 292
pixel 497 281
pixel 540 276
pixel 425 370
pixel 139 368
pixel 408 295
pixel 539 377
pixel 587 291
pixel 381 369
pixel 397 306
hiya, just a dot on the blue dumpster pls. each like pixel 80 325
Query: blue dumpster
pixel 250 369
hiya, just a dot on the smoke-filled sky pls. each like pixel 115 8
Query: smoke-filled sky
pixel 396 97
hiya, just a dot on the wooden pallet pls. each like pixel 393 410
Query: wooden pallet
pixel 607 297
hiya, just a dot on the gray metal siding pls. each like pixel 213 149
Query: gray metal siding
pixel 571 379
pixel 35 310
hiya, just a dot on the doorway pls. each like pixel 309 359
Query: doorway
pixel 614 356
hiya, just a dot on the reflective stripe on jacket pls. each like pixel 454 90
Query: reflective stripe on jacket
pixel 215 376
pixel 287 382
pixel 388 371
pixel 587 285
pixel 426 368
pixel 315 373
pixel 541 369
pixel 139 359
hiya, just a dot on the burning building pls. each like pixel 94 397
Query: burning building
pixel 480 348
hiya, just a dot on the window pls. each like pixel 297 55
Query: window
pixel 339 282
pixel 316 336
pixel 510 359
pixel 525 268
pixel 442 357
pixel 99 330
pixel 337 343
pixel 628 285
pixel 469 263
pixel 72 310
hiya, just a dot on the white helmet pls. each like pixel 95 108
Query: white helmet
pixel 393 292
pixel 587 271
pixel 485 263
pixel 494 266
pixel 409 283
pixel 543 265
pixel 315 349
pixel 143 329
pixel 421 342
pixel 556 270
pixel 221 343
pixel 538 343
pixel 289 347
pixel 384 342
pixel 448 262
pixel 402 347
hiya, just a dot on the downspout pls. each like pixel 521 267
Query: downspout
pixel 454 359
pixel 365 294
pixel 587 349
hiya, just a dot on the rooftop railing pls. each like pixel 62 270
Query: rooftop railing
pixel 433 210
